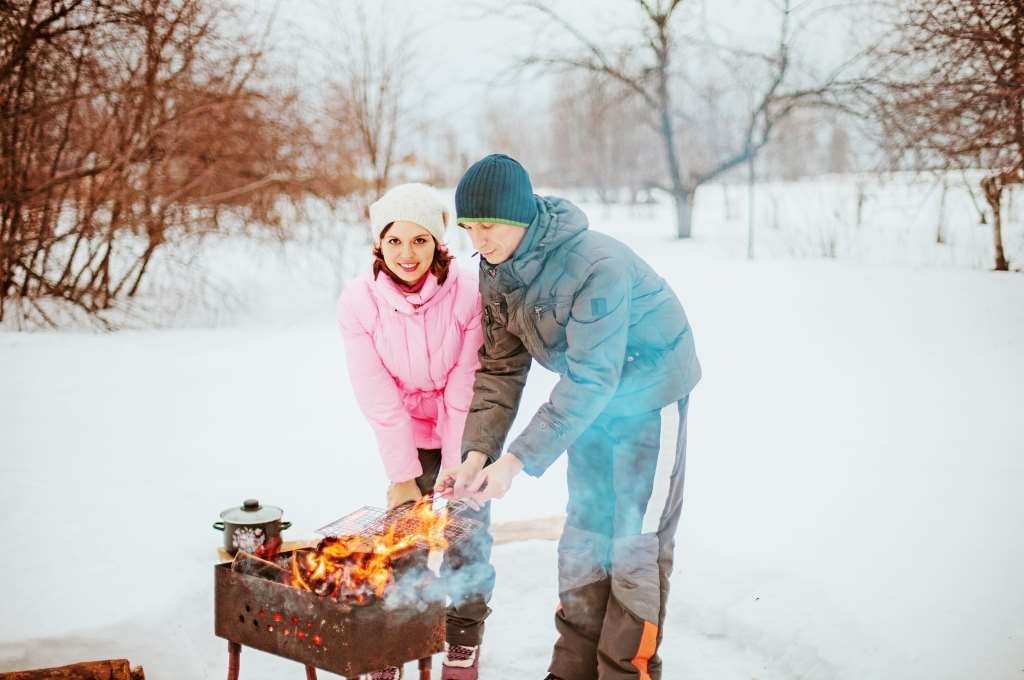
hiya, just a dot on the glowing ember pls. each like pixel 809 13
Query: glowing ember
pixel 355 568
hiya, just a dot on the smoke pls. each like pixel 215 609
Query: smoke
pixel 464 574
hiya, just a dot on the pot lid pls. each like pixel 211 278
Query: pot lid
pixel 251 512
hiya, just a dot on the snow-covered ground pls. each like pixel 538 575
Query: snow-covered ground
pixel 916 219
pixel 854 506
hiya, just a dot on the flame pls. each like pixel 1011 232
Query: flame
pixel 356 567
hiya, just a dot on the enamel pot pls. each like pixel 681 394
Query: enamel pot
pixel 250 526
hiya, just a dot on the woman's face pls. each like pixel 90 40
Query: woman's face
pixel 408 250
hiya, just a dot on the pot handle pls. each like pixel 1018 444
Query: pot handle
pixel 285 525
pixel 219 526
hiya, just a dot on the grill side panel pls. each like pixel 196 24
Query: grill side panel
pixel 302 626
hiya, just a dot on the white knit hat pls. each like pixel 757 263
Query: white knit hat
pixel 417 203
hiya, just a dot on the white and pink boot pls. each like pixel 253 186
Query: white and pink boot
pixel 461 662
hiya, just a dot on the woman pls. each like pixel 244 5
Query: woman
pixel 412 333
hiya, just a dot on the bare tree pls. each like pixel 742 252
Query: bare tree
pixel 647 67
pixel 126 125
pixel 504 121
pixel 368 70
pixel 838 160
pixel 951 92
pixel 596 143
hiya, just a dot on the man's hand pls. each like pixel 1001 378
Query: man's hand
pixel 453 482
pixel 495 480
pixel 403 492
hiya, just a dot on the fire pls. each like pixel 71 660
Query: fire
pixel 357 567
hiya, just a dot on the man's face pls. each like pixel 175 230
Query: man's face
pixel 497 242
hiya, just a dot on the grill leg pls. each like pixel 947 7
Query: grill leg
pixel 234 651
pixel 425 668
pixel 310 672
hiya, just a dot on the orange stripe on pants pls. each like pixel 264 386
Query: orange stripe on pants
pixel 648 645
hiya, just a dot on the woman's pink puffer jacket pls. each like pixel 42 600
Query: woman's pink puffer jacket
pixel 412 360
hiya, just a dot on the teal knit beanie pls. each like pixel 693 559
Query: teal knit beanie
pixel 496 189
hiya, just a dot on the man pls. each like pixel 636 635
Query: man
pixel 588 308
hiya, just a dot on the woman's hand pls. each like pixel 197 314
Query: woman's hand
pixel 453 482
pixel 403 492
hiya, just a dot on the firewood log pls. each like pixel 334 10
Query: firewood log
pixel 110 669
pixel 250 565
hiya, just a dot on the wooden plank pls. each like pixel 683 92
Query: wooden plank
pixel 223 556
pixel 539 529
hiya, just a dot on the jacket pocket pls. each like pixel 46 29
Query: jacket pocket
pixel 495 314
pixel 548 319
pixel 498 311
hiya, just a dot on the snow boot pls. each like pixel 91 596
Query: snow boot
pixel 393 673
pixel 460 662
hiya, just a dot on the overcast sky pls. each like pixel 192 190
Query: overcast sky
pixel 463 49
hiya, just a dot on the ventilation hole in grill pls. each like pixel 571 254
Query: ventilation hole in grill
pixel 248 608
pixel 255 623
pixel 241 618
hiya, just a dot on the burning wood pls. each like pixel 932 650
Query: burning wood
pixel 358 568
pixel 251 565
pixel 355 568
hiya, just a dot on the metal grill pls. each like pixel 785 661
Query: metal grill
pixel 251 609
pixel 371 521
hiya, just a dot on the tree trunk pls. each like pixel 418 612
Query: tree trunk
pixel 150 249
pixel 664 101
pixel 751 179
pixel 993 188
pixel 684 213
pixel 940 235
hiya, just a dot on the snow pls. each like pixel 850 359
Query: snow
pixel 917 219
pixel 853 503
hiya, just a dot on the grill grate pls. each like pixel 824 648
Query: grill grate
pixel 371 521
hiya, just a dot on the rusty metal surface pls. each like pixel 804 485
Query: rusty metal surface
pixel 371 521
pixel 321 632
